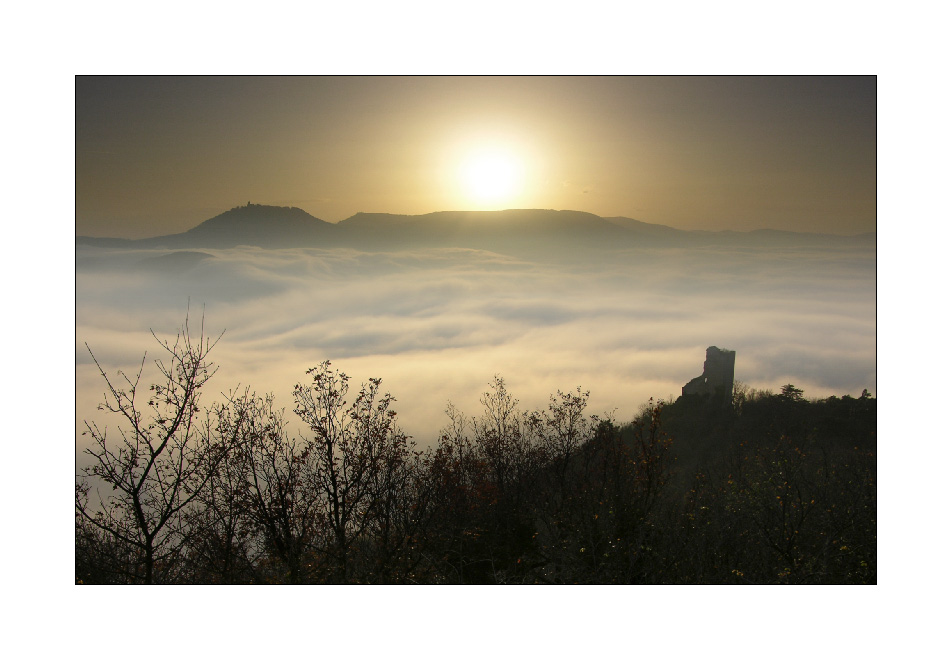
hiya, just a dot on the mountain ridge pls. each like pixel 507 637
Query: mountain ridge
pixel 514 229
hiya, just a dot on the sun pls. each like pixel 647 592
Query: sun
pixel 491 177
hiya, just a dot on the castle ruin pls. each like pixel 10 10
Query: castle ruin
pixel 716 384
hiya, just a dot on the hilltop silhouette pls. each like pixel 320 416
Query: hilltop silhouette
pixel 512 230
pixel 252 224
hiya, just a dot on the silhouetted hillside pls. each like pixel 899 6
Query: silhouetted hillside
pixel 253 224
pixel 766 489
pixel 646 228
pixel 265 226
pixel 710 437
pixel 514 230
pixel 488 230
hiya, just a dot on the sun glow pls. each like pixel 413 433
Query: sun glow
pixel 491 177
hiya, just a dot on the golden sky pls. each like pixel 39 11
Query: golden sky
pixel 158 155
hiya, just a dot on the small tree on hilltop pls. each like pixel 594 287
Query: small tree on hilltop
pixel 791 393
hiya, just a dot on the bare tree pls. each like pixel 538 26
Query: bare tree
pixel 279 496
pixel 162 460
pixel 357 453
pixel 227 537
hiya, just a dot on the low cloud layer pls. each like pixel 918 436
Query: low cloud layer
pixel 437 324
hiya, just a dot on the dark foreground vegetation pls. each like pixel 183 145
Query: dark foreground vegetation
pixel 776 489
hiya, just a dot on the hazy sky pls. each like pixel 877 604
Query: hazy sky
pixel 158 155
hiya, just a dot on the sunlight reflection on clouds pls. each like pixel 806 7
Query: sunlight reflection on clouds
pixel 437 324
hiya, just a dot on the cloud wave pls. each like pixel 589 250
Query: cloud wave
pixel 437 324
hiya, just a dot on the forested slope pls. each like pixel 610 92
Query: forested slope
pixel 775 489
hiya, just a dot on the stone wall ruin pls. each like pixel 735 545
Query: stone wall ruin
pixel 716 384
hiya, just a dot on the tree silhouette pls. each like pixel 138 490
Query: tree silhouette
pixel 778 489
pixel 356 454
pixel 162 461
pixel 791 393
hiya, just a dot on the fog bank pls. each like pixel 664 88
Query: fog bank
pixel 437 324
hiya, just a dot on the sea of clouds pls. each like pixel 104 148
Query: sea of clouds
pixel 437 324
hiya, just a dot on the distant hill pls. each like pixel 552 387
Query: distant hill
pixel 489 230
pixel 514 230
pixel 645 228
pixel 265 226
pixel 253 224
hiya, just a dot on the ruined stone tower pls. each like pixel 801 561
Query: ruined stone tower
pixel 716 384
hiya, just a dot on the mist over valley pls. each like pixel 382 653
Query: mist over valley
pixel 400 363
pixel 437 304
